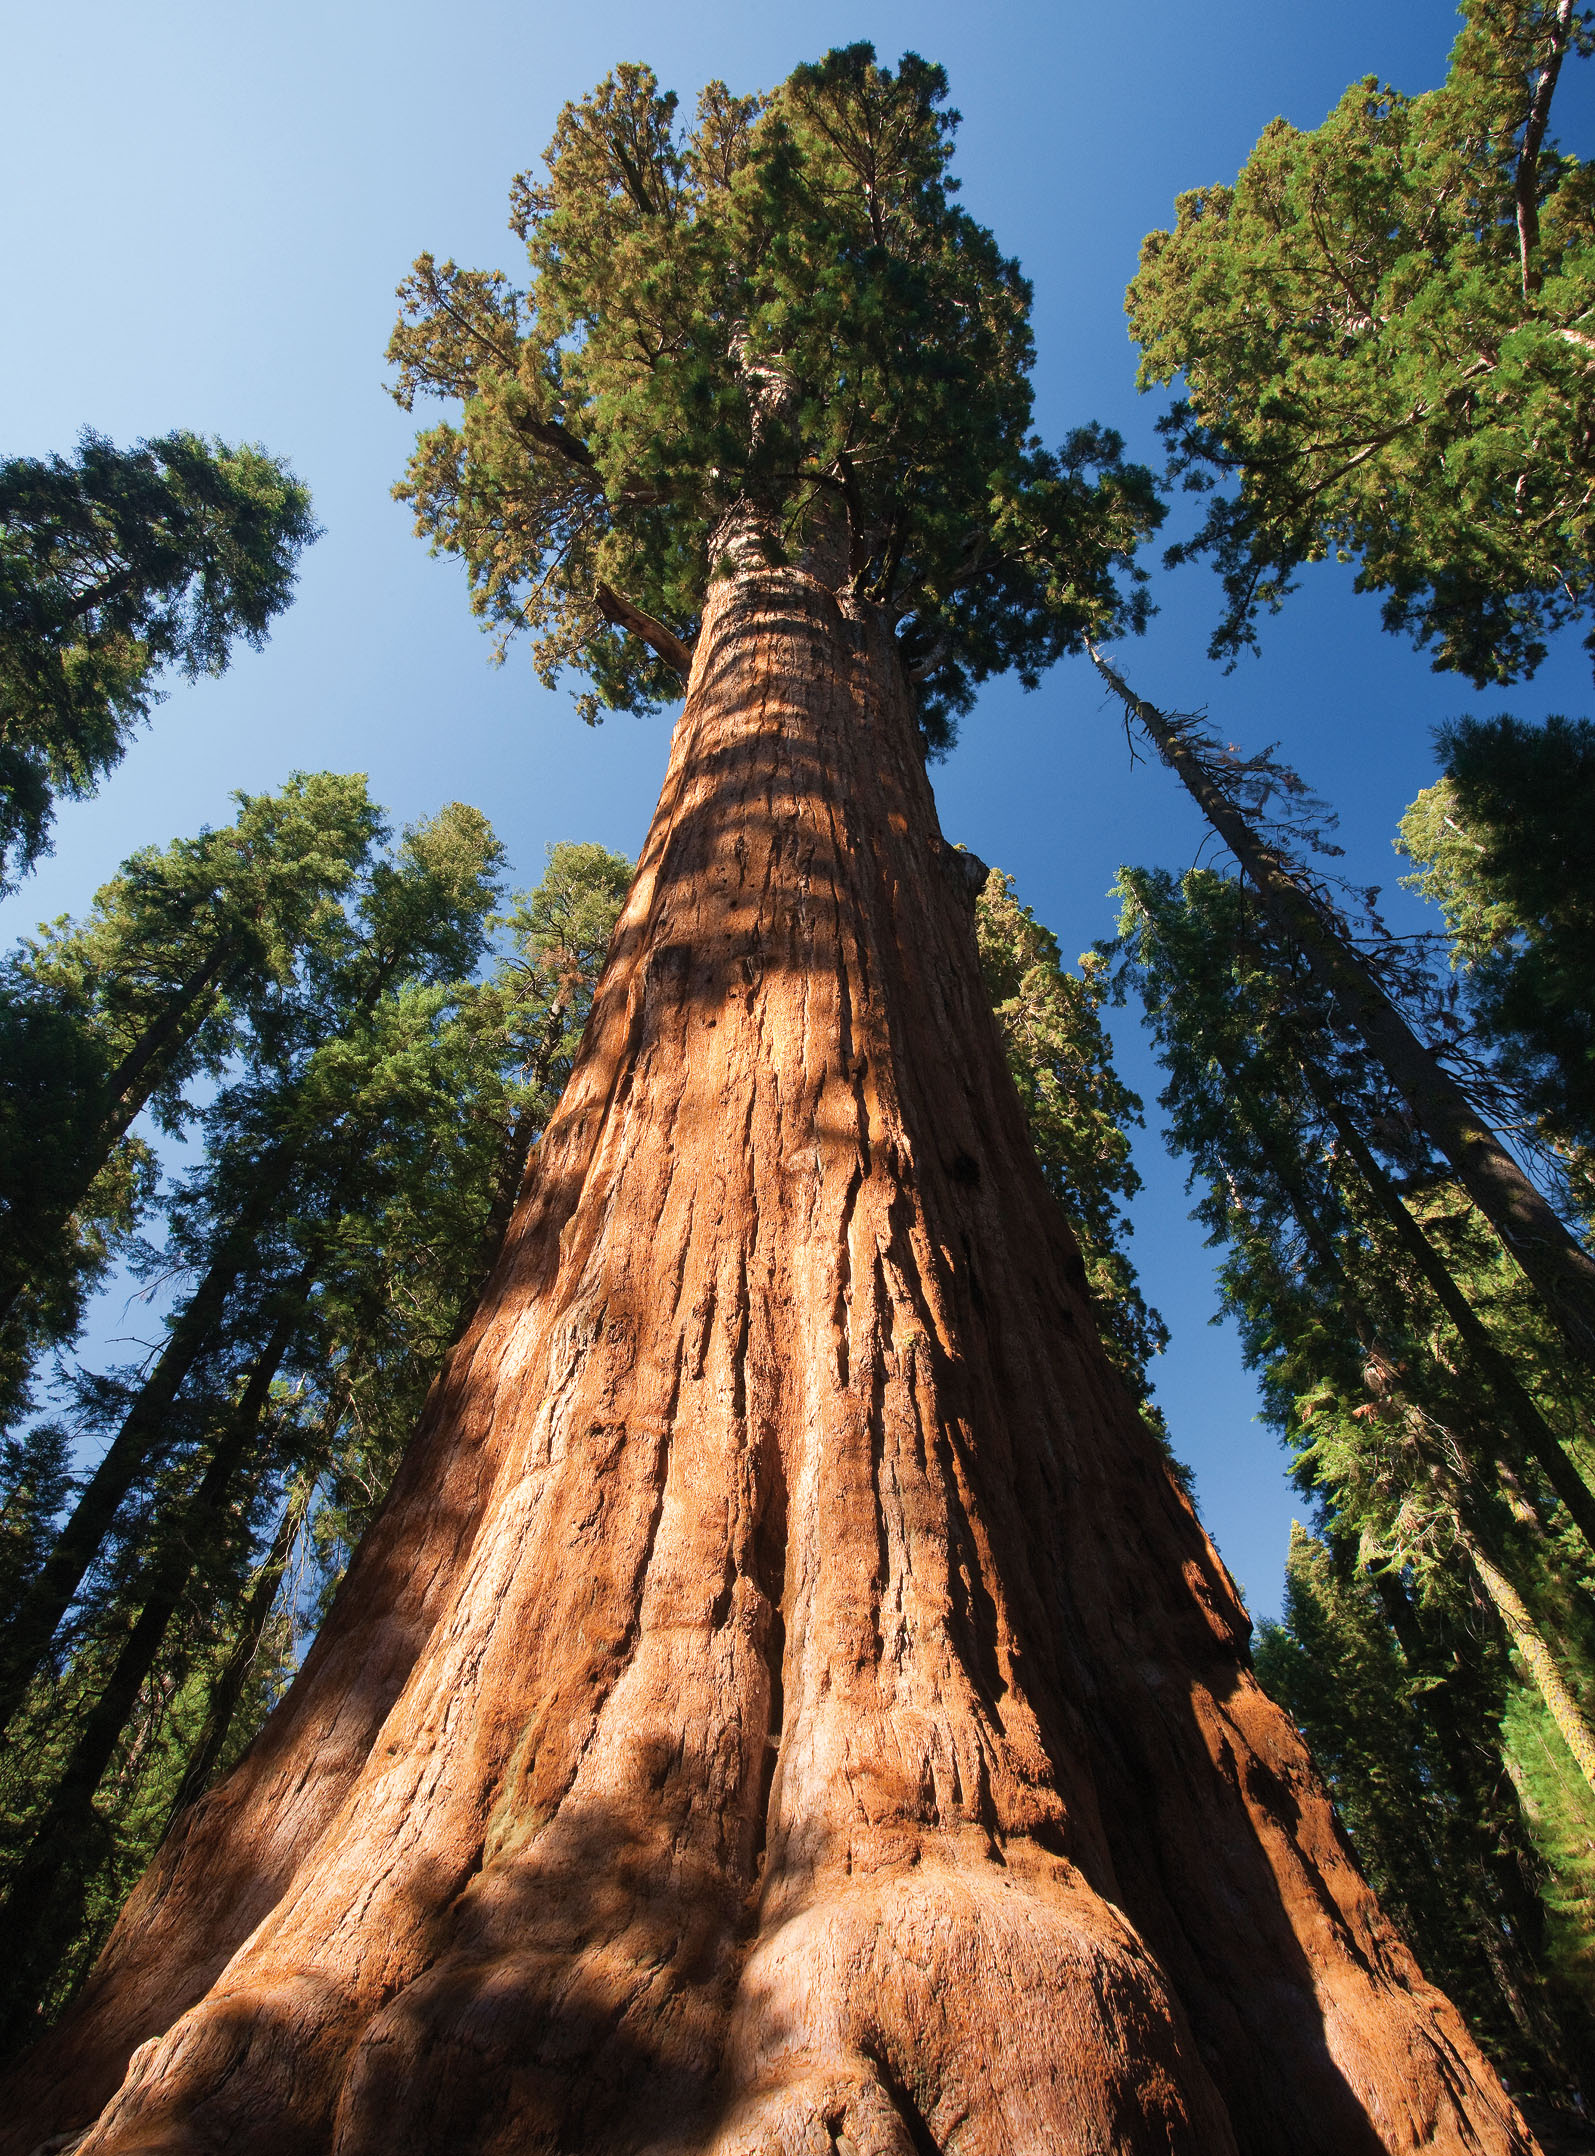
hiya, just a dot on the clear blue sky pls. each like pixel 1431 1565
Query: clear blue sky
pixel 206 209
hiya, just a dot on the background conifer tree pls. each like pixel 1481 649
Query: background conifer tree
pixel 180 957
pixel 1425 1402
pixel 1078 1110
pixel 116 566
pixel 1382 332
pixel 1505 845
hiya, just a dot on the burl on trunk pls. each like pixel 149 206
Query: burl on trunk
pixel 786 1705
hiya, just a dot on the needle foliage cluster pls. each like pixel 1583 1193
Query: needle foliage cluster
pixel 1385 336
pixel 1504 843
pixel 1438 1642
pixel 366 1100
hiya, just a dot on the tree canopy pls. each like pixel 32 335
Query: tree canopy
pixel 1078 1109
pixel 779 312
pixel 175 971
pixel 1505 843
pixel 1443 1440
pixel 115 566
pixel 1383 332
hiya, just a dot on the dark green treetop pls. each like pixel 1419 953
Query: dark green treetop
pixel 776 321
pixel 116 566
pixel 186 949
pixel 1384 333
pixel 190 929
pixel 1505 843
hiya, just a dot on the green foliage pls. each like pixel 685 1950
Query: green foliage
pixel 1336 1665
pixel 411 1269
pixel 773 329
pixel 115 566
pixel 35 1479
pixel 1077 1108
pixel 1382 331
pixel 558 937
pixel 1561 1813
pixel 59 1230
pixel 1363 1370
pixel 182 957
pixel 1505 844
pixel 1408 1734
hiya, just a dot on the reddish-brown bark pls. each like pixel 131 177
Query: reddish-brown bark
pixel 787 1704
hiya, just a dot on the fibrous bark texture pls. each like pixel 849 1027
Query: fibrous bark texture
pixel 787 1705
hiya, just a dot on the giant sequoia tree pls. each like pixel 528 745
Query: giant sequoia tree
pixel 786 1703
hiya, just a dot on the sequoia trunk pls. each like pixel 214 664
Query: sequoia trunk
pixel 786 1704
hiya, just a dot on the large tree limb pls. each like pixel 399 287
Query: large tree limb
pixel 653 633
pixel 551 435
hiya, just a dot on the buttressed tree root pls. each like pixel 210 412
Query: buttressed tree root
pixel 786 1705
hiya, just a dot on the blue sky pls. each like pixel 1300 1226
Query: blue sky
pixel 206 210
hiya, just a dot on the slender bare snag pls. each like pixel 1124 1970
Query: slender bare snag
pixel 787 1704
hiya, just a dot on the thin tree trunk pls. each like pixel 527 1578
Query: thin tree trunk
pixel 1517 1407
pixel 1367 1330
pixel 126 1091
pixel 32 1624
pixel 1526 190
pixel 228 1687
pixel 1465 1504
pixel 43 1905
pixel 1538 1657
pixel 1512 1398
pixel 1513 1949
pixel 1559 1267
pixel 516 1151
pixel 787 1704
pixel 130 1084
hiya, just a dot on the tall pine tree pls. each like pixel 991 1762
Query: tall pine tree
pixel 1429 1412
pixel 105 1019
pixel 115 566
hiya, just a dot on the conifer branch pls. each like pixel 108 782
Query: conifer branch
pixel 623 615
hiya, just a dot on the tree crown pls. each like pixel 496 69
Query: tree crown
pixel 1383 332
pixel 115 565
pixel 776 318
pixel 1505 844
